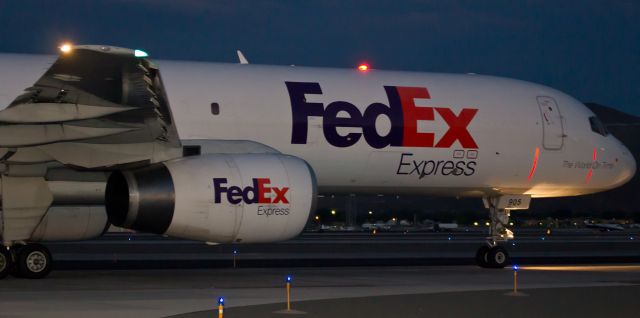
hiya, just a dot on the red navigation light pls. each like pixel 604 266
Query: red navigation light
pixel 534 164
pixel 595 157
pixel 363 67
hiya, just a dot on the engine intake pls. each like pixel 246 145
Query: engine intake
pixel 142 199
pixel 218 198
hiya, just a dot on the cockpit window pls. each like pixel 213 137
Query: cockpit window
pixel 597 126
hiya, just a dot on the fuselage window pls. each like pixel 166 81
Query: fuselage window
pixel 215 108
pixel 597 126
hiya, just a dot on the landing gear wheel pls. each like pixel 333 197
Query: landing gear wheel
pixel 498 257
pixel 482 256
pixel 6 262
pixel 33 261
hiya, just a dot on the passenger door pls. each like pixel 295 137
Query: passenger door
pixel 552 125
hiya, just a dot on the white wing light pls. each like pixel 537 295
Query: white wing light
pixel 66 48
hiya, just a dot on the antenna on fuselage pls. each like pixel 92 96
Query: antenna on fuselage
pixel 243 60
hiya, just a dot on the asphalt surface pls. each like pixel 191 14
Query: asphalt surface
pixel 561 302
pixel 336 275
pixel 143 251
pixel 448 291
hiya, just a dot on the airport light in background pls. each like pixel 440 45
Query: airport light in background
pixel 333 212
pixel 515 278
pixel 370 212
pixel 220 307
pixel 363 67
pixel 235 256
pixel 288 280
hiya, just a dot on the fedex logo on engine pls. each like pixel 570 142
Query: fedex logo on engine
pixel 401 111
pixel 261 192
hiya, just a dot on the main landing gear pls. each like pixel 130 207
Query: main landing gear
pixel 26 261
pixel 492 255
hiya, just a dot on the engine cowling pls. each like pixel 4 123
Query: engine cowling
pixel 219 198
pixel 71 223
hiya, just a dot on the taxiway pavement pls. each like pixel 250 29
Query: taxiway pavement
pixel 142 251
pixel 445 291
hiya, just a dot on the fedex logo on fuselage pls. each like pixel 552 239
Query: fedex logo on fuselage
pixel 261 192
pixel 401 111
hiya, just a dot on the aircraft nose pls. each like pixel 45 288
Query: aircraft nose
pixel 627 166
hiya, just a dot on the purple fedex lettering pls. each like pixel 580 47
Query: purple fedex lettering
pixel 303 110
pixel 251 194
pixel 402 112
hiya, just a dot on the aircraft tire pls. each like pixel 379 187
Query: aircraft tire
pixel 33 261
pixel 6 262
pixel 498 257
pixel 482 256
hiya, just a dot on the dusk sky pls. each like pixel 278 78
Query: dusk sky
pixel 589 49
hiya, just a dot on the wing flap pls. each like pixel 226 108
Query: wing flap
pixel 13 136
pixel 55 112
pixel 92 95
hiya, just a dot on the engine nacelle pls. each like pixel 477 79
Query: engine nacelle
pixel 219 198
pixel 71 223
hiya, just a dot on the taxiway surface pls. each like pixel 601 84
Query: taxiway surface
pixel 143 251
pixel 445 291
pixel 123 275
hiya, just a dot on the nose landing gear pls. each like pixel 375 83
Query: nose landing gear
pixel 492 255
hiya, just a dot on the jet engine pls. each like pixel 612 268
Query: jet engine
pixel 71 223
pixel 219 198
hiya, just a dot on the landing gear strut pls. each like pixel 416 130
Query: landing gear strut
pixel 27 261
pixel 492 255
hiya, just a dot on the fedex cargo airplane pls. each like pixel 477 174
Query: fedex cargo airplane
pixel 237 153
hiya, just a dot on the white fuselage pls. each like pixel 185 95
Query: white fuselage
pixel 474 136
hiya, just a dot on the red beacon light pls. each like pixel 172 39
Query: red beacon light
pixel 363 67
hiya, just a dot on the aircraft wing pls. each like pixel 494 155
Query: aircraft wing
pixel 107 103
